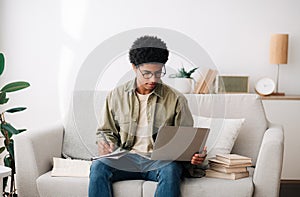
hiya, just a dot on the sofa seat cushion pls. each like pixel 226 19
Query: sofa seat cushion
pixel 78 187
pixel 61 186
pixel 209 187
pixel 205 187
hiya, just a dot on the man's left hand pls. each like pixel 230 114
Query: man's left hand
pixel 198 158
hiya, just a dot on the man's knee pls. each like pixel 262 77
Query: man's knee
pixel 99 168
pixel 173 169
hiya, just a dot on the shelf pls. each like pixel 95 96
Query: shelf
pixel 286 97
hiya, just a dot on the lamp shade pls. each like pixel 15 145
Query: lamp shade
pixel 279 49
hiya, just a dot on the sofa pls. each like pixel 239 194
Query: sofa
pixel 258 138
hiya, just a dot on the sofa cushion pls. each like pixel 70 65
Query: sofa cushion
pixel 81 123
pixel 61 186
pixel 190 187
pixel 222 135
pixel 78 187
pixel 209 187
pixel 82 120
pixel 235 106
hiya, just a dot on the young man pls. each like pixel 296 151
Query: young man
pixel 133 113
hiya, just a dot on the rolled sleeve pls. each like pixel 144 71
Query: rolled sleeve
pixel 183 115
pixel 107 123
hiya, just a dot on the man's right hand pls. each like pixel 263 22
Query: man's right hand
pixel 104 148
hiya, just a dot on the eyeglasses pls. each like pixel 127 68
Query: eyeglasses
pixel 157 74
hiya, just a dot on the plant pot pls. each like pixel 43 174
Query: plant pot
pixel 183 85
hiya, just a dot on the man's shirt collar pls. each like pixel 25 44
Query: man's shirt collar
pixel 131 87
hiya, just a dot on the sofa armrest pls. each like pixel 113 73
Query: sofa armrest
pixel 267 174
pixel 34 152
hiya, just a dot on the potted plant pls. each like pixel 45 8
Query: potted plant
pixel 183 81
pixel 8 130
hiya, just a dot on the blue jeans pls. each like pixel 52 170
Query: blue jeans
pixel 106 171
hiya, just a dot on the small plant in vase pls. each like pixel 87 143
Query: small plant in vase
pixel 8 130
pixel 182 73
pixel 184 80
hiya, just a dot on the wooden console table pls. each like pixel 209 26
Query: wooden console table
pixel 287 97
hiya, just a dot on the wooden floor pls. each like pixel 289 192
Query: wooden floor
pixel 289 188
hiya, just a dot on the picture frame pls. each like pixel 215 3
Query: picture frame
pixel 232 84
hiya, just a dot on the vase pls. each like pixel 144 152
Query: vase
pixel 183 85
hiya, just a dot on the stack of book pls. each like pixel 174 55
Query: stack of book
pixel 229 166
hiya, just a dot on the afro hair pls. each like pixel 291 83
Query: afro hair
pixel 148 49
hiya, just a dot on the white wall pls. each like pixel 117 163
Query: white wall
pixel 46 41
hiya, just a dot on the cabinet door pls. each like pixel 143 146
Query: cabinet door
pixel 287 113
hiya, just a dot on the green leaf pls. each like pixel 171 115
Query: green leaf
pixel 4 101
pixel 193 70
pixel 22 130
pixel 2 149
pixel 3 98
pixel 15 109
pixel 14 86
pixel 2 62
pixel 10 148
pixel 2 95
pixel 9 128
pixel 9 134
pixel 4 132
pixel 7 161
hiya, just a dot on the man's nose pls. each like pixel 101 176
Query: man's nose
pixel 154 79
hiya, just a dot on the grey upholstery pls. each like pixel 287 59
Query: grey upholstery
pixel 246 106
pixel 258 139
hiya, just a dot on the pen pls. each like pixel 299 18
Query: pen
pixel 104 138
pixel 105 141
pixel 203 153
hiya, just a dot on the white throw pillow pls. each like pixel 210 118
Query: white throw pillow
pixel 222 135
pixel 70 167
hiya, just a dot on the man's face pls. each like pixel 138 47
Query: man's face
pixel 143 72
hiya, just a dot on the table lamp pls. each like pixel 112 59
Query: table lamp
pixel 279 54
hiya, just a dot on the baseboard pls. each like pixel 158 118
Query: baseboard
pixel 287 181
pixel 289 188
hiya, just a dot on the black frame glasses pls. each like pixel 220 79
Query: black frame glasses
pixel 157 74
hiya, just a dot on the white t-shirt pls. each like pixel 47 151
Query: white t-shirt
pixel 143 141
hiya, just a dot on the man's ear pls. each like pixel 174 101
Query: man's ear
pixel 134 67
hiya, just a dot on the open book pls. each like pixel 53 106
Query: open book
pixel 70 167
pixel 119 152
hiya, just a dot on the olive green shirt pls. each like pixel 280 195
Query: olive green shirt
pixel 165 106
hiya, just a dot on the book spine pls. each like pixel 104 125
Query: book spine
pixel 204 87
pixel 228 170
pixel 200 82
